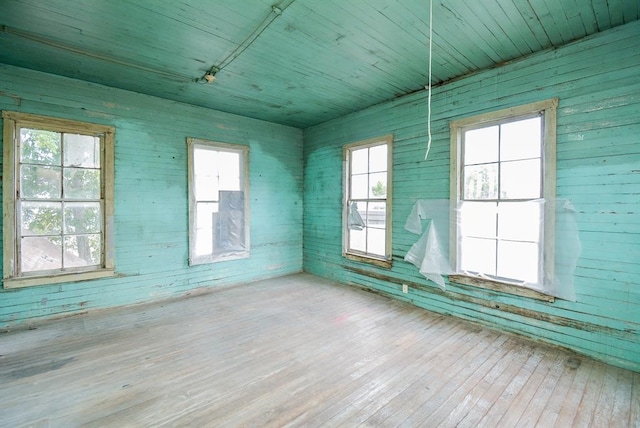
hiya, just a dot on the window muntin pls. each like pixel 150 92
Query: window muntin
pixel 218 210
pixel 367 205
pixel 58 190
pixel 504 169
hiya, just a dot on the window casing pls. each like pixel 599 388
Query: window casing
pixel 502 172
pixel 57 200
pixel 367 200
pixel 218 201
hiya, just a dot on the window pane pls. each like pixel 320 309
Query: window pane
pixel 204 227
pixel 481 145
pixel 481 181
pixel 359 161
pixel 41 218
pixel 376 241
pixel 478 255
pixel 204 214
pixel 39 147
pixel 229 182
pixel 518 261
pixel 82 250
pixel 520 179
pixel 40 182
pixel 205 172
pixel 359 185
pixel 40 253
pixel 81 183
pixel 478 219
pixel 378 158
pixel 82 217
pixel 229 171
pixel 378 185
pixel 81 151
pixel 358 240
pixel 520 221
pixel 205 161
pixel 376 214
pixel 521 139
pixel 206 187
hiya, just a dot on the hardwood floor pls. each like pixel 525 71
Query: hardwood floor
pixel 298 351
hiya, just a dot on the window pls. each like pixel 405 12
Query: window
pixel 58 200
pixel 367 201
pixel 218 201
pixel 503 169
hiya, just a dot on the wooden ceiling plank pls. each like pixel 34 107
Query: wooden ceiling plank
pixel 477 31
pixel 138 45
pixel 575 19
pixel 547 19
pixel 588 16
pixel 336 63
pixel 601 11
pixel 630 11
pixel 533 22
pixel 386 45
pixel 507 41
pixel 447 61
pixel 510 27
pixel 616 11
pixel 454 30
pixel 560 13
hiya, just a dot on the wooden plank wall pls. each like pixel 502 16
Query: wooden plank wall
pixel 151 209
pixel 598 169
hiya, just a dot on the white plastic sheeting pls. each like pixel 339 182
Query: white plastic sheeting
pixel 229 225
pixel 430 254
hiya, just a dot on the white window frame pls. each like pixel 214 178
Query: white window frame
pixel 548 108
pixel 12 123
pixel 386 260
pixel 243 151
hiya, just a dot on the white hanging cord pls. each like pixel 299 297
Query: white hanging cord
pixel 429 87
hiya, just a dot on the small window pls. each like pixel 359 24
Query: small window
pixel 218 201
pixel 367 201
pixel 58 193
pixel 503 171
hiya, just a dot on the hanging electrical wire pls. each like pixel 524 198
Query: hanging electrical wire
pixel 429 85
pixel 275 12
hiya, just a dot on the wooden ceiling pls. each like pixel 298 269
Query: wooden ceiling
pixel 294 62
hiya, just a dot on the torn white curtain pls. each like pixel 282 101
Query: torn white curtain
pixel 430 254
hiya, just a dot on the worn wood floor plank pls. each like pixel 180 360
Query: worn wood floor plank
pixel 634 414
pixel 428 391
pixel 297 351
pixel 561 390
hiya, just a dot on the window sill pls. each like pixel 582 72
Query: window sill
pixel 205 260
pixel 31 281
pixel 378 262
pixel 503 287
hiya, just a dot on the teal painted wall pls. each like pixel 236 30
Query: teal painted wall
pixel 151 211
pixel 598 169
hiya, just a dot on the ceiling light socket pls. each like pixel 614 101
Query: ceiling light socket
pixel 210 78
